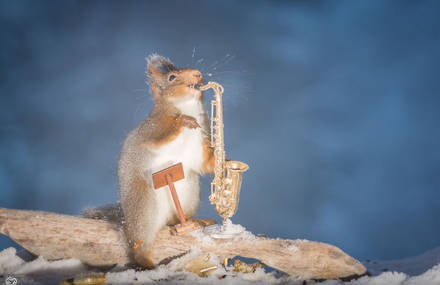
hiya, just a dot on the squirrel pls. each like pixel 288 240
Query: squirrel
pixel 175 131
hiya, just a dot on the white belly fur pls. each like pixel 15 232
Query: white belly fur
pixel 187 149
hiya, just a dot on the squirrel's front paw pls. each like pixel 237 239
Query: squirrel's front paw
pixel 188 121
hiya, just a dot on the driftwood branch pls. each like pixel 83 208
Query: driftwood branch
pixel 100 243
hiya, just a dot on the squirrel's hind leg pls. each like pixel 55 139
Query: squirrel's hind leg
pixel 142 221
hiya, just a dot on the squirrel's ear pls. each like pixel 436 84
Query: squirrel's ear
pixel 158 66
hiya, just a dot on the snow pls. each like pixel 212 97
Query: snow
pixel 292 247
pixel 173 273
pixel 202 237
pixel 9 261
pixel 423 269
pixel 411 266
pixel 227 230
pixel 38 271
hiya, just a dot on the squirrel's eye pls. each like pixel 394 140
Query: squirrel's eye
pixel 171 77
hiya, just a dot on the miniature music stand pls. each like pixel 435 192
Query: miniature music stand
pixel 168 176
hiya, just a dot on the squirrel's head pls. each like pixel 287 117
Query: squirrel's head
pixel 168 82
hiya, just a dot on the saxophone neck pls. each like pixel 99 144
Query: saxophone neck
pixel 218 89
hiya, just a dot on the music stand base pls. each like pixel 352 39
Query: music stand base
pixel 183 229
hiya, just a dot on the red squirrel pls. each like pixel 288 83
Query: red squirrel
pixel 175 131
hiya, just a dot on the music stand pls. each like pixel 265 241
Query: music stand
pixel 168 176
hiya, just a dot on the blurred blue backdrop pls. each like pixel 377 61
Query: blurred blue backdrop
pixel 334 105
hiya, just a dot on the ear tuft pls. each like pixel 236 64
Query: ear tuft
pixel 158 65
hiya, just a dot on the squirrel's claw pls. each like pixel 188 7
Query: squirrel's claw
pixel 188 121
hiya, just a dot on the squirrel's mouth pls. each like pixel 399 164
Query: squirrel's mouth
pixel 194 86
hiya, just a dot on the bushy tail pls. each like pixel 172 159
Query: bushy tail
pixel 111 213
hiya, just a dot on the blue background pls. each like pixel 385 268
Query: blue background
pixel 333 104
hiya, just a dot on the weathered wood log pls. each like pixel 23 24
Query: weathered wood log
pixel 100 243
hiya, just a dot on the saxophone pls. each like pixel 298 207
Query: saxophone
pixel 226 185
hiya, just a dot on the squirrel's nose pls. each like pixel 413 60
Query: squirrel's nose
pixel 197 74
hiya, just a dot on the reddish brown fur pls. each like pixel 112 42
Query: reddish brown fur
pixel 168 129
pixel 184 77
pixel 168 122
pixel 144 258
pixel 208 157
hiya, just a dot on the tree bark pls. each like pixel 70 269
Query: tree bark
pixel 101 243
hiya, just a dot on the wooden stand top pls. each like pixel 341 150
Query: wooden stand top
pixel 175 171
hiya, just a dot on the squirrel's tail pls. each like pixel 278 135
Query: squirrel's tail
pixel 111 212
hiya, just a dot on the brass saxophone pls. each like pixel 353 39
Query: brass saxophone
pixel 226 185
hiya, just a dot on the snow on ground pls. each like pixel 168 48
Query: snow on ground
pixel 412 266
pixel 423 269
